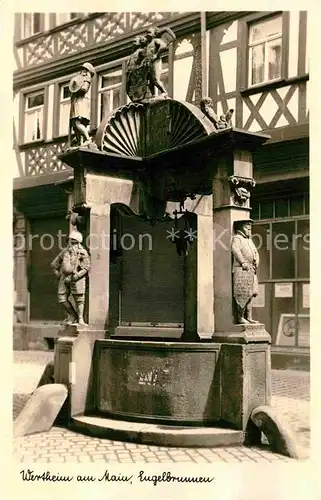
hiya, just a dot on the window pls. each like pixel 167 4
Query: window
pixel 287 206
pixel 296 205
pixel 282 207
pixel 110 92
pixel 64 109
pixel 31 24
pixel 164 75
pixel 64 18
pixel 283 276
pixel 266 209
pixel 182 71
pixel 283 248
pixel 34 111
pixel 303 248
pixel 265 48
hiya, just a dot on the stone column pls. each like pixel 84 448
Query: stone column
pixel 98 243
pixel 74 353
pixel 21 278
pixel 199 314
pixel 244 360
pixel 234 171
pixel 93 195
pixel 21 297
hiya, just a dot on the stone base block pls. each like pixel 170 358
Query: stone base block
pixel 182 383
pixel 245 380
pixel 171 383
pixel 41 410
pixel 74 368
pixel 244 334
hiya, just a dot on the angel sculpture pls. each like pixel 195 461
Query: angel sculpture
pixel 144 67
pixel 224 121
pixel 158 42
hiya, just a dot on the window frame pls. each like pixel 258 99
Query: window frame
pixel 288 197
pixel 77 15
pixel 23 112
pixel 243 55
pixel 101 90
pixel 191 85
pixel 266 42
pixel 295 279
pixel 41 22
pixel 60 86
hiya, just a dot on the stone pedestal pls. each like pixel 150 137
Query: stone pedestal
pixel 245 381
pixel 74 368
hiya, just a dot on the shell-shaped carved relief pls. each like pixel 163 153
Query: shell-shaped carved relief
pixel 120 132
pixel 145 129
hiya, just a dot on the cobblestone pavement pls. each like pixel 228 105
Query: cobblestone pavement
pixel 290 397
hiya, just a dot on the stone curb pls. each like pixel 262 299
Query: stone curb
pixel 155 434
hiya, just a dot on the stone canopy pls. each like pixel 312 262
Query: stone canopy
pixel 162 141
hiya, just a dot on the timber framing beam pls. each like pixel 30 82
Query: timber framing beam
pixel 114 49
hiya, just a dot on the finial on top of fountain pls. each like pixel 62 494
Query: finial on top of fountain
pixel 144 66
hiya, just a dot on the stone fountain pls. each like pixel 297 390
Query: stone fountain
pixel 158 159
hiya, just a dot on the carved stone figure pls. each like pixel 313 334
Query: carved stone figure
pixel 224 121
pixel 71 266
pixel 245 265
pixel 74 218
pixel 136 71
pixel 80 106
pixel 241 189
pixel 144 67
pixel 158 41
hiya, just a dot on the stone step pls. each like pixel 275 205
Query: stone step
pixel 157 434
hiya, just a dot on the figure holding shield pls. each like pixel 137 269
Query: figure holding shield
pixel 79 87
pixel 245 265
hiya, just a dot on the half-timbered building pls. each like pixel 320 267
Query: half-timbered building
pixel 253 62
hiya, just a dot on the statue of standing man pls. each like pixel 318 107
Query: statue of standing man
pixel 245 265
pixel 71 266
pixel 79 87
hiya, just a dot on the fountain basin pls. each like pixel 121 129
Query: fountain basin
pixel 168 382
